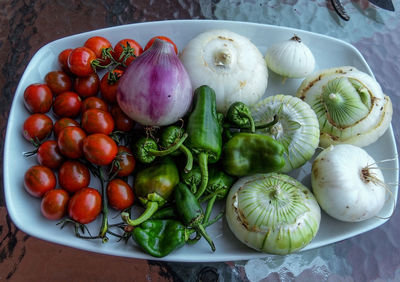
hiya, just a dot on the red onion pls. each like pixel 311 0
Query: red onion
pixel 155 88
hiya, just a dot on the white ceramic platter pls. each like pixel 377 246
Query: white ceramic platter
pixel 25 210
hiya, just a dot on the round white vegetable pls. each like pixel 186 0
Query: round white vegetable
pixel 272 213
pixel 290 58
pixel 229 63
pixel 347 183
pixel 297 128
pixel 350 106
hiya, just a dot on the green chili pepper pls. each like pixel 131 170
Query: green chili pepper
pixel 153 186
pixel 160 237
pixel 192 178
pixel 146 149
pixel 249 153
pixel 239 115
pixel 190 211
pixel 172 135
pixel 205 132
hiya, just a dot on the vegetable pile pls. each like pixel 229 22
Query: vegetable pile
pixel 166 135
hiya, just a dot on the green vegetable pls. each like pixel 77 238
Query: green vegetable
pixel 240 116
pixel 204 132
pixel 153 186
pixel 146 149
pixel 160 237
pixel 190 211
pixel 172 135
pixel 192 178
pixel 248 153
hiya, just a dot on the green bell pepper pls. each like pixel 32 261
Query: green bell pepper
pixel 204 132
pixel 160 237
pixel 249 153
pixel 153 186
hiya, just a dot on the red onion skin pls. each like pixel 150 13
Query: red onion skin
pixel 155 89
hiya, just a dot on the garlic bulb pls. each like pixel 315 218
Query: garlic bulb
pixel 272 213
pixel 290 58
pixel 297 128
pixel 229 63
pixel 350 106
pixel 347 183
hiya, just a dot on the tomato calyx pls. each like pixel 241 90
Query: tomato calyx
pixel 113 77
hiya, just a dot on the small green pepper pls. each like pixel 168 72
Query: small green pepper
pixel 205 132
pixel 190 211
pixel 172 135
pixel 240 116
pixel 160 237
pixel 153 186
pixel 192 178
pixel 249 153
pixel 146 149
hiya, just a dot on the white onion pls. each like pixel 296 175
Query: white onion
pixel 347 183
pixel 272 213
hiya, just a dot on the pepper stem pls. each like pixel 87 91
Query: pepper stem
pixel 151 208
pixel 210 205
pixel 203 164
pixel 200 228
pixel 169 150
pixel 189 157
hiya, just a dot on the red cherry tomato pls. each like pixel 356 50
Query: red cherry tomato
pixel 87 86
pixel 63 60
pixel 121 120
pixel 67 104
pixel 38 180
pixel 109 85
pixel 126 50
pixel 97 121
pixel 99 149
pixel 94 103
pixel 49 155
pixel 54 204
pixel 151 41
pixel 124 162
pixel 70 142
pixel 73 175
pixel 82 61
pixel 85 205
pixel 100 46
pixel 38 98
pixel 120 194
pixel 37 127
pixel 63 123
pixel 58 82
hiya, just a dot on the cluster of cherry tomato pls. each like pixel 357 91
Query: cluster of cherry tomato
pixel 80 139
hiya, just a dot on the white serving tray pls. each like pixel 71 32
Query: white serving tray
pixel 24 210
